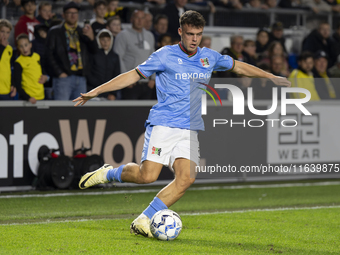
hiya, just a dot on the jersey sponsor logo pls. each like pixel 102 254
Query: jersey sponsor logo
pixel 188 76
pixel 180 61
pixel 205 62
pixel 156 151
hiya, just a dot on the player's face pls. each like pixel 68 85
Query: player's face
pixel 191 37
pixel 101 11
pixel 24 47
pixel 5 32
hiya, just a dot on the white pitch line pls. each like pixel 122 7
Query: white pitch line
pixel 253 186
pixel 186 214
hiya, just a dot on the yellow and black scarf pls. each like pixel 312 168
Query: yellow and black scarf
pixel 73 48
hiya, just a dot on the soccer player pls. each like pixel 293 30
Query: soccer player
pixel 173 123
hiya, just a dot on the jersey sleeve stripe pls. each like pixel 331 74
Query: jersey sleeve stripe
pixel 233 66
pixel 140 73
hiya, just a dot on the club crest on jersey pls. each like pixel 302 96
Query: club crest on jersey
pixel 156 151
pixel 205 62
pixel 180 61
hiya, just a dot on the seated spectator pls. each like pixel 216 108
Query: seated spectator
pixel 28 74
pixel 336 41
pixel 68 48
pixel 114 25
pixel 100 9
pixel 148 21
pixel 262 40
pixel 320 39
pixel 26 22
pixel 334 71
pixel 277 65
pixel 113 9
pixel 160 26
pixel 320 6
pixel 230 4
pixel 104 64
pixel 7 91
pixel 262 87
pixel 173 11
pixel 163 40
pixel 323 84
pixel 249 52
pixel 303 77
pixel 275 49
pixel 45 13
pixel 268 4
pixel 276 34
pixel 205 42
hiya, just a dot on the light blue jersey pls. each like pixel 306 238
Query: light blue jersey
pixel 179 75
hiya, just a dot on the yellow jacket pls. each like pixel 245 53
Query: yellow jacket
pixel 302 80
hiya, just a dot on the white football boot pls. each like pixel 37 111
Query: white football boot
pixel 141 226
pixel 96 177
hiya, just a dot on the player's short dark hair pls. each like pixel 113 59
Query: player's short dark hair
pixel 159 17
pixel 104 34
pixel 305 55
pixel 99 3
pixel 192 18
pixel 43 4
pixel 22 36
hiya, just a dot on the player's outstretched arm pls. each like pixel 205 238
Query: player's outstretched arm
pixel 119 82
pixel 245 69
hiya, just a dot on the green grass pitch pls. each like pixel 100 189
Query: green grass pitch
pixel 233 222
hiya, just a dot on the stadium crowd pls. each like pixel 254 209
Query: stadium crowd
pixel 53 57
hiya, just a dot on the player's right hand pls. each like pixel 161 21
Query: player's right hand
pixel 84 98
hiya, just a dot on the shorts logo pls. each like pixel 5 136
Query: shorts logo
pixel 205 62
pixel 156 151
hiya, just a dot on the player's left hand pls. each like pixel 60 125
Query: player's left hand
pixel 85 97
pixel 281 81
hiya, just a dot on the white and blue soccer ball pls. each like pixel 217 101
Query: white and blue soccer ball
pixel 166 225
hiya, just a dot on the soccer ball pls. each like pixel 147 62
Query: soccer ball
pixel 166 225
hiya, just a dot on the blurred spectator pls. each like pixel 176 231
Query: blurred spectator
pixel 173 11
pixel 320 39
pixel 160 26
pixel 249 52
pixel 262 87
pixel 276 49
pixel 336 42
pixel 113 9
pixel 148 21
pixel 268 4
pixel 255 4
pixel 277 65
pixel 99 8
pixel 114 25
pixel 27 21
pixel 296 4
pixel 323 84
pixel 45 13
pixel 163 40
pixel 67 52
pixel 230 4
pixel 205 42
pixel 303 77
pixel 104 64
pixel 28 74
pixel 276 34
pixel 134 46
pixel 320 6
pixel 6 52
pixel 39 43
pixel 262 40
pixel 210 4
pixel 334 71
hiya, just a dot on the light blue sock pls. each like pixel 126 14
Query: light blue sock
pixel 115 174
pixel 155 206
